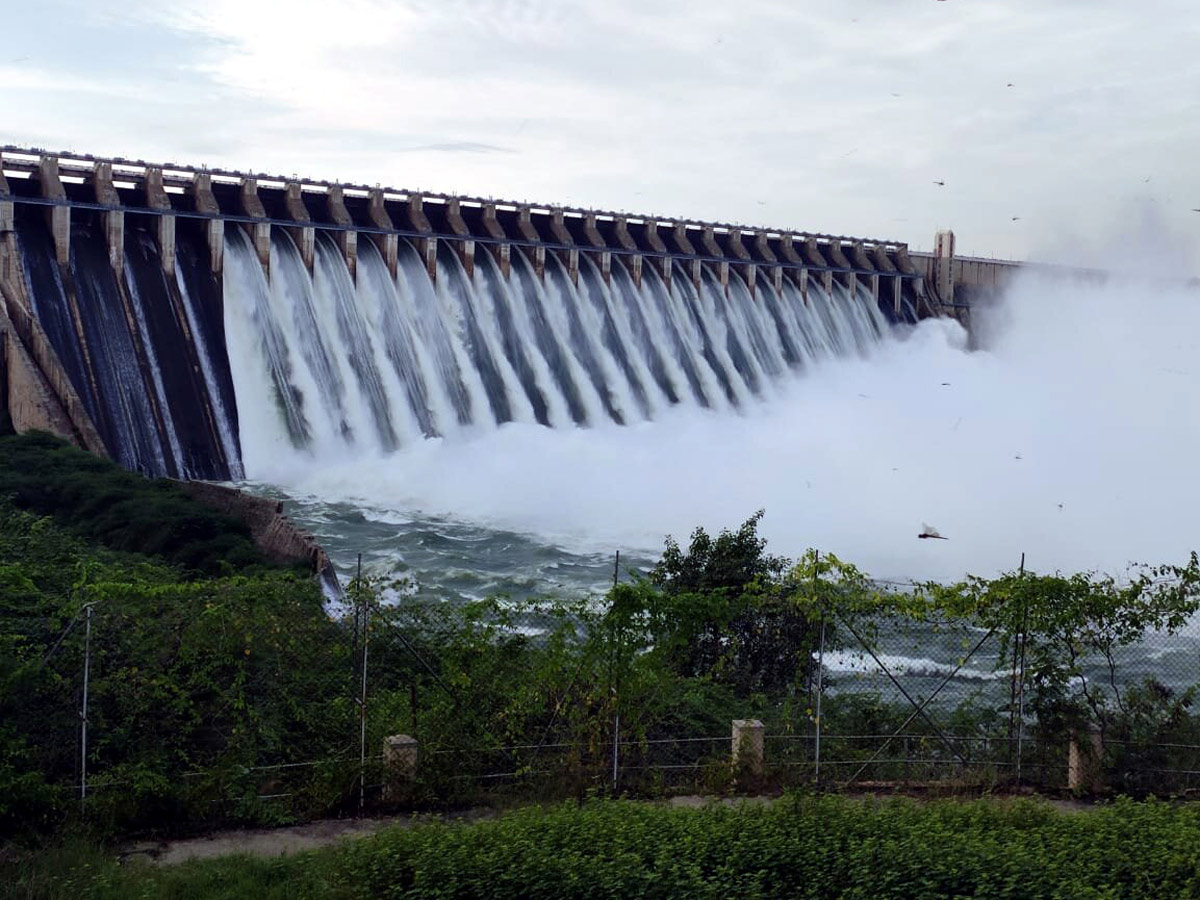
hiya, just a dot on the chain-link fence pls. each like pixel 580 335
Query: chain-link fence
pixel 215 713
pixel 257 707
pixel 947 703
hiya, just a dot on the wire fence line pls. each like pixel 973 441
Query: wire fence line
pixel 555 700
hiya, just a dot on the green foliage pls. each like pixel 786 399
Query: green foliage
pixel 731 562
pixel 100 501
pixel 729 611
pixel 81 870
pixel 1151 734
pixel 1059 623
pixel 246 686
pixel 802 847
pixel 821 848
pixel 200 676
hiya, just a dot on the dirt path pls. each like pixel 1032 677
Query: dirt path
pixel 282 841
pixel 313 835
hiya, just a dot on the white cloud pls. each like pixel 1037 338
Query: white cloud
pixel 833 117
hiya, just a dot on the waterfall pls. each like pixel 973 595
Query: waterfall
pixel 200 376
pixel 369 364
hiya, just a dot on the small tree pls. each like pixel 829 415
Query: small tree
pixel 1069 627
pixel 729 611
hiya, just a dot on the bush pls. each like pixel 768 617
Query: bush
pixel 212 676
pixel 815 848
pixel 98 500
pixel 798 848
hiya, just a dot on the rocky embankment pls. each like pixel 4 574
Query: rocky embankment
pixel 273 533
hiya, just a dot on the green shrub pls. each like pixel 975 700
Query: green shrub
pixel 208 677
pixel 98 500
pixel 799 848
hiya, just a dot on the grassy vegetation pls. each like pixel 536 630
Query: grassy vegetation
pixel 825 848
pixel 79 869
pixel 97 500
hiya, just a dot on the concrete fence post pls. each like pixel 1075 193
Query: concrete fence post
pixel 400 755
pixel 1084 755
pixel 747 746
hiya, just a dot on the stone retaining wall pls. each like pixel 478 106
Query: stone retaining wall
pixel 277 536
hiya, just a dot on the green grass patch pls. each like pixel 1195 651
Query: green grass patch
pixel 832 848
pixel 79 869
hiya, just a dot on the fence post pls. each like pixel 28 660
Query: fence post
pixel 401 753
pixel 1084 755
pixel 616 695
pixel 747 755
pixel 362 698
pixel 1021 683
pixel 820 693
pixel 820 674
pixel 83 717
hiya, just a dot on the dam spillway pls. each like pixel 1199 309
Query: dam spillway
pixel 181 320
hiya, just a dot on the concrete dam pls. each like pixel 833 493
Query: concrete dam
pixel 179 319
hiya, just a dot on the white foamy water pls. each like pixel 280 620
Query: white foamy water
pixel 1071 435
pixel 851 662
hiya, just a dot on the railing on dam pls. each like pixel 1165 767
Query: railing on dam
pixel 114 188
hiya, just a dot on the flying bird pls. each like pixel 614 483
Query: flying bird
pixel 1016 218
pixel 940 183
pixel 928 531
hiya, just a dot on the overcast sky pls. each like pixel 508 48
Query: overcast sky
pixel 1055 125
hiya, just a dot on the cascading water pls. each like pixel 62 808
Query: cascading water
pixel 326 377
pixel 270 372
pixel 197 296
pixel 93 333
pixel 369 368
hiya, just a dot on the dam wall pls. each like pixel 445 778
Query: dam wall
pixel 146 306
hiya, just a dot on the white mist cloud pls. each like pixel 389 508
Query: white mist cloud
pixel 1071 437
